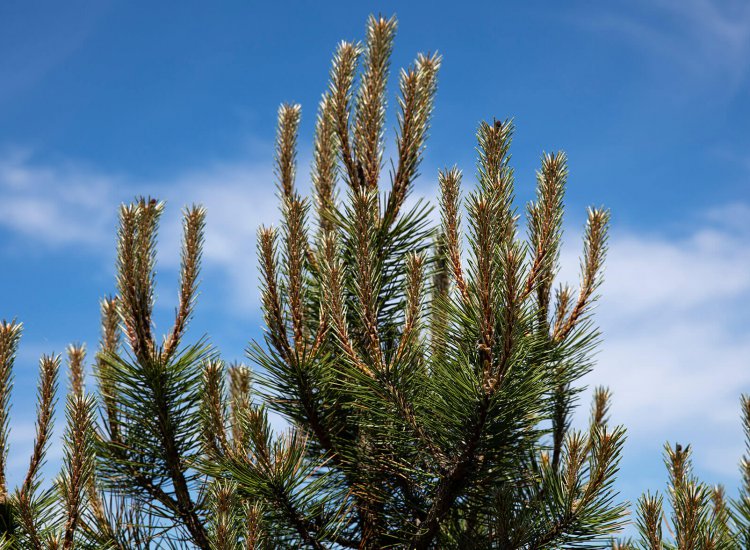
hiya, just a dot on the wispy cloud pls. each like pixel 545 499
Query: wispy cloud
pixel 708 39
pixel 55 205
pixel 31 48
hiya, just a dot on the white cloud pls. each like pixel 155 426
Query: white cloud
pixel 61 205
pixel 676 348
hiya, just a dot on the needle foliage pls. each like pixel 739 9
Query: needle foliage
pixel 428 370
pixel 696 515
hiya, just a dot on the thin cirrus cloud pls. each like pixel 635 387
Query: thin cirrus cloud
pixel 30 53
pixel 676 345
pixel 707 40
pixel 53 205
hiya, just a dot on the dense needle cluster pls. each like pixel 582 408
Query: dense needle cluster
pixel 428 374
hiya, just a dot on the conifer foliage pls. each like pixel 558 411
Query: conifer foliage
pixel 698 516
pixel 428 373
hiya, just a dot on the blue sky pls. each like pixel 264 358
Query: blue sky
pixel 101 101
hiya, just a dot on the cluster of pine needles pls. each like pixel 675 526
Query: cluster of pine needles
pixel 428 372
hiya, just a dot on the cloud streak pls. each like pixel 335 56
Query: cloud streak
pixel 55 206
pixel 710 40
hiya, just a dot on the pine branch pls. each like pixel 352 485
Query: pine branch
pixel 450 182
pixel 295 238
pixel 239 403
pixel 367 280
pixel 594 251
pixel 414 289
pixel 33 506
pixel 194 221
pixel 48 369
pixel 152 439
pixel 650 517
pixel 344 68
pixel 10 335
pixel 418 86
pixel 109 344
pixel 545 228
pixel 324 164
pixel 370 106
pixel 271 298
pixel 213 410
pixel 79 454
pixel 333 277
pixel 286 148
pixel 136 257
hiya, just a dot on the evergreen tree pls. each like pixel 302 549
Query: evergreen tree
pixel 430 389
pixel 428 374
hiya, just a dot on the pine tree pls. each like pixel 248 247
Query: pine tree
pixel 428 374
pixel 430 389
